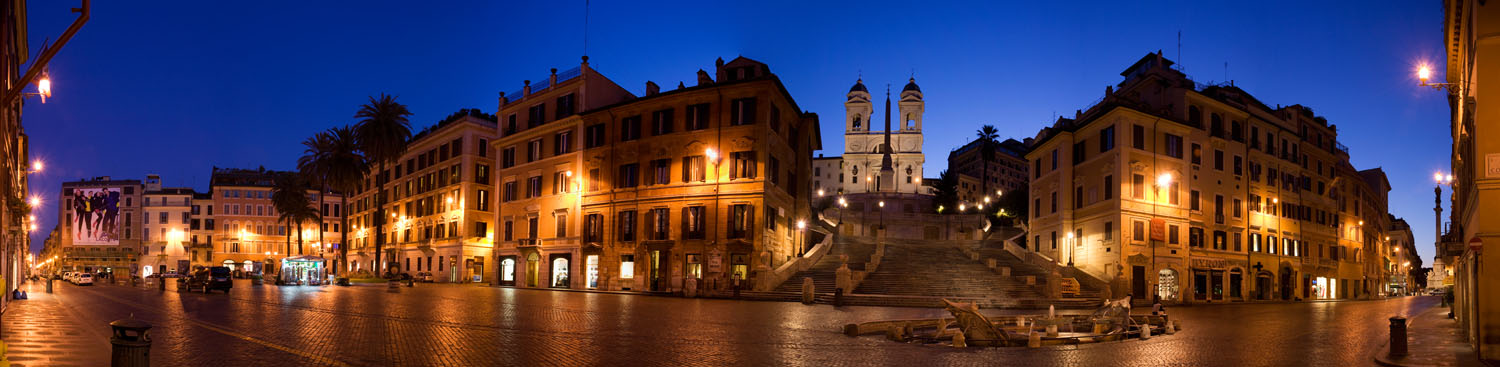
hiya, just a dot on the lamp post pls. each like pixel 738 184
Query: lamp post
pixel 882 215
pixel 1071 241
pixel 801 237
pixel 843 204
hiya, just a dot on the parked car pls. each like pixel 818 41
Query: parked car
pixel 83 279
pixel 207 280
pixel 67 276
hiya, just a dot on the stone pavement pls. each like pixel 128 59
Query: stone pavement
pixel 466 325
pixel 44 331
pixel 1433 339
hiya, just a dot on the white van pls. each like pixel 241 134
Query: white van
pixel 83 279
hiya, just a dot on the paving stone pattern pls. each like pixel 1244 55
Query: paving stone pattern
pixel 455 325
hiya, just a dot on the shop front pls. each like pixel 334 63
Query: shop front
pixel 300 270
pixel 508 268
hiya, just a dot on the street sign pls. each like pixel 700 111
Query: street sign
pixel 1476 245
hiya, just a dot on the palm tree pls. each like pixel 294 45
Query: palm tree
pixel 987 135
pixel 382 133
pixel 289 196
pixel 332 156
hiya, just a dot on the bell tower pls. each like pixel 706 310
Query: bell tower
pixel 857 108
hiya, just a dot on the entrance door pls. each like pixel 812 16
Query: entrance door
pixel 1167 285
pixel 1263 286
pixel 1137 281
pixel 1286 284
pixel 533 262
pixel 658 279
pixel 1216 285
pixel 508 270
pixel 561 266
pixel 592 267
pixel 1200 285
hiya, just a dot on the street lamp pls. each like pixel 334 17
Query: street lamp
pixel 1424 73
pixel 882 215
pixel 801 236
pixel 1071 241
pixel 843 204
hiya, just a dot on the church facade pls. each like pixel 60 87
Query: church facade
pixel 885 158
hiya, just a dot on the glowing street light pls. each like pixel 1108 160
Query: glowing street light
pixel 1164 180
pixel 986 199
pixel 820 192
pixel 36 166
pixel 1424 73
pixel 35 201
pixel 711 154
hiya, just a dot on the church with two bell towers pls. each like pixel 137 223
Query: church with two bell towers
pixel 886 157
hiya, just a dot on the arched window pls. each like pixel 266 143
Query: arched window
pixel 857 122
pixel 1195 118
pixel 1237 131
pixel 1216 125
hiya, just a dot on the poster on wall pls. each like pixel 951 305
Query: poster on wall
pixel 95 218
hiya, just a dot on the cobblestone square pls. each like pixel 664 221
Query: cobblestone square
pixel 451 325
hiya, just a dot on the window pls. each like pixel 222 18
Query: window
pixel 1237 241
pixel 658 223
pixel 693 222
pixel 1107 139
pixel 1174 146
pixel 593 179
pixel 593 136
pixel 1172 193
pixel 630 128
pixel 661 122
pixel 627 225
pixel 1218 160
pixel 773 170
pixel 484 147
pixel 742 165
pixel 1239 166
pixel 481 229
pixel 1194 118
pixel 1080 149
pixel 1109 187
pixel 1197 154
pixel 533 150
pixel 627 266
pixel 536 115
pixel 740 220
pixel 1109 231
pixel 659 172
pixel 481 174
pixel 483 197
pixel 1054 159
pixel 628 174
pixel 560 182
pixel 1054 202
pixel 145 217
pixel 534 186
pixel 697 117
pixel 508 157
pixel 564 106
pixel 562 143
pixel 1172 235
pixel 742 111
pixel 560 220
pixel 693 168
pixel 1193 198
pixel 694 266
pixel 1077 197
pixel 1138 186
pixel 775 118
pixel 532 227
pixel 1138 136
pixel 1238 205
pixel 509 193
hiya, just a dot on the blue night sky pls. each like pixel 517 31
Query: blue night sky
pixel 175 89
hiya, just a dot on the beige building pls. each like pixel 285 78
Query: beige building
pixel 442 204
pixel 1402 260
pixel 1469 36
pixel 1005 171
pixel 165 226
pixel 1193 193
pixel 540 169
pixel 250 235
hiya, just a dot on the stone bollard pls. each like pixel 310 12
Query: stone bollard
pixel 49 285
pixel 690 288
pixel 893 333
pixel 130 346
pixel 1034 340
pixel 1398 336
pixel 1145 331
pixel 1051 331
pixel 958 340
pixel 838 297
pixel 1170 329
pixel 807 290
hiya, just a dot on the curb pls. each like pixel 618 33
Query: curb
pixel 1382 356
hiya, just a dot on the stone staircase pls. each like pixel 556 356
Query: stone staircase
pixel 823 272
pixel 939 271
pixel 1021 268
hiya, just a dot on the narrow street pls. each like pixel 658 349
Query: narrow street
pixel 475 325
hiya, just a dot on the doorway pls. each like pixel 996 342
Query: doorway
pixel 1167 288
pixel 656 276
pixel 560 265
pixel 1137 281
pixel 508 270
pixel 591 267
pixel 533 262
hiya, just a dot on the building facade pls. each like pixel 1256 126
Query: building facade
pixel 1003 171
pixel 100 226
pixel 540 170
pixel 883 159
pixel 1469 37
pixel 442 205
pixel 165 226
pixel 1192 193
pixel 250 237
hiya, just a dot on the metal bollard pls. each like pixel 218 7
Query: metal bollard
pixel 161 284
pixel 130 346
pixel 838 297
pixel 49 285
pixel 1398 336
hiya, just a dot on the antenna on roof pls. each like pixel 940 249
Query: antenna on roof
pixel 1226 71
pixel 1179 49
pixel 585 28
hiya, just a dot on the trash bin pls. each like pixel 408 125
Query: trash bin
pixel 130 344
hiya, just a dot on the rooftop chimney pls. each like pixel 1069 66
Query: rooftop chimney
pixel 719 68
pixel 652 89
pixel 552 79
pixel 703 78
pixel 526 90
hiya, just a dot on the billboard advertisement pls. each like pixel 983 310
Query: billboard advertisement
pixel 95 218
